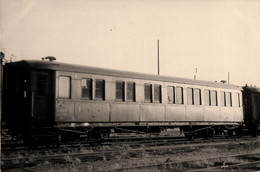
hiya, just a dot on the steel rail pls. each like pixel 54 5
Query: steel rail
pixel 170 162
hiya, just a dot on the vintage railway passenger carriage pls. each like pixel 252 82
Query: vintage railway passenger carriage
pixel 45 99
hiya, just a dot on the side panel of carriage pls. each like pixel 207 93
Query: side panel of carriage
pixel 91 98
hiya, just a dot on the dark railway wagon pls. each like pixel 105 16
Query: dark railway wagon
pixel 44 99
pixel 28 106
pixel 252 108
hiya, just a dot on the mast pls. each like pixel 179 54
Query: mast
pixel 158 56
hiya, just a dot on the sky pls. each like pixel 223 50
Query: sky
pixel 215 36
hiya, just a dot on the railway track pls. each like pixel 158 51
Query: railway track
pixel 118 150
pixel 218 162
pixel 132 142
pixel 117 140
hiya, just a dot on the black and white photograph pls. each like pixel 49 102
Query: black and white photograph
pixel 129 85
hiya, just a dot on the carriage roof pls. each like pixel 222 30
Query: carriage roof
pixel 57 66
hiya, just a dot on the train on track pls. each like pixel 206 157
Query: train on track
pixel 46 101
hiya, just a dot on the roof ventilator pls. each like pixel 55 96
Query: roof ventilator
pixel 50 58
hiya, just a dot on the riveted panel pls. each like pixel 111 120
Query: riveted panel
pixel 125 112
pixel 238 114
pixel 91 111
pixel 175 113
pixel 151 112
pixel 226 114
pixel 194 113
pixel 211 113
pixel 64 111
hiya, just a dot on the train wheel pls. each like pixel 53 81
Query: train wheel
pixel 95 138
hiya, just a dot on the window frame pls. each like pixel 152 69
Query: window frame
pixel 236 98
pixel 41 88
pixel 190 96
pixel 172 94
pixel 103 89
pixel 157 97
pixel 150 91
pixel 177 96
pixel 120 90
pixel 213 97
pixel 133 91
pixel 207 97
pixel 69 87
pixel 223 99
pixel 90 89
pixel 197 97
pixel 228 99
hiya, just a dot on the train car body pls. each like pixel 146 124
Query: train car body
pixel 252 108
pixel 28 106
pixel 44 94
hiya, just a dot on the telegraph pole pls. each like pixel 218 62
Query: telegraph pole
pixel 158 56
pixel 195 73
pixel 228 77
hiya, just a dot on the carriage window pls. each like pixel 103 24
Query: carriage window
pixel 197 96
pixel 100 89
pixel 130 91
pixel 170 94
pixel 213 98
pixel 148 93
pixel 190 96
pixel 64 87
pixel 41 85
pixel 223 98
pixel 228 99
pixel 179 95
pixel 157 93
pixel 206 97
pixel 12 84
pixel 193 96
pixel 120 90
pixel 86 87
pixel 236 100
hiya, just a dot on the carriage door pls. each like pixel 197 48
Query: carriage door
pixel 42 110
